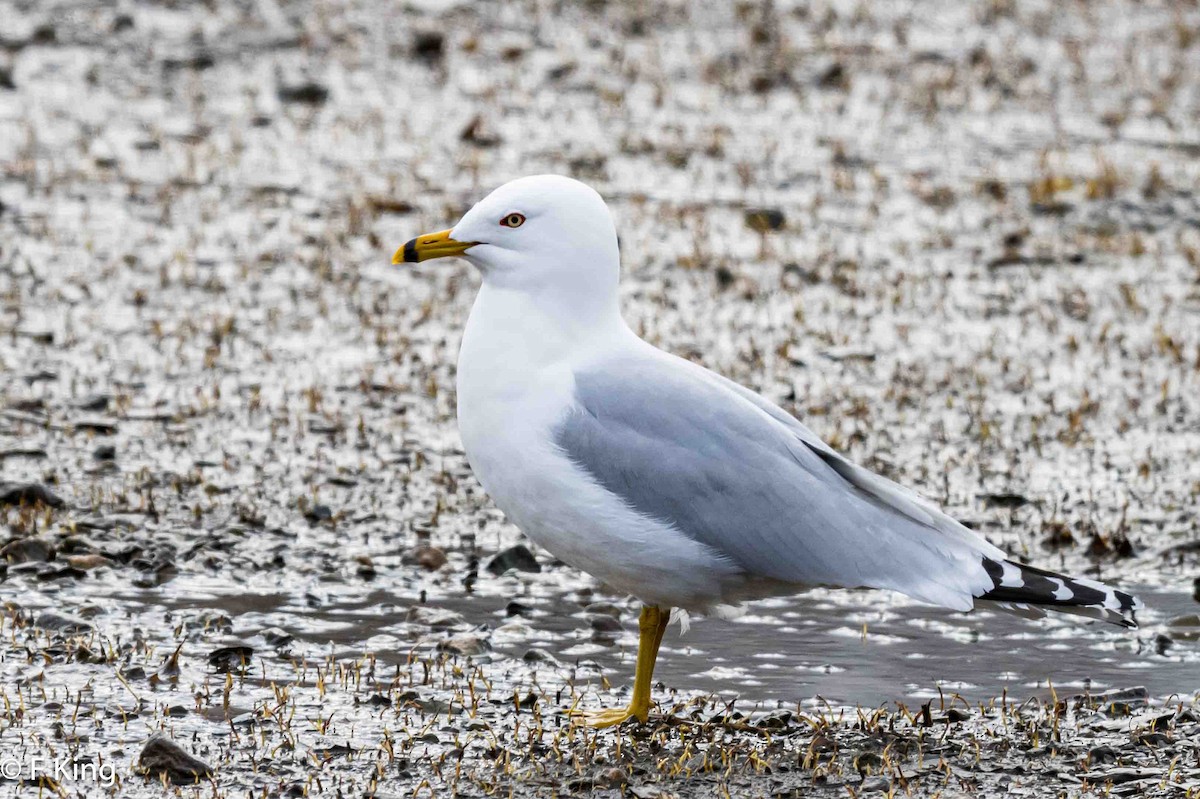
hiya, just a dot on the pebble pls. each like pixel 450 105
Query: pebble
pixel 762 220
pixel 318 513
pixel 466 644
pixel 161 755
pixel 427 557
pixel 603 623
pixel 27 550
pixel 428 45
pixel 235 657
pixel 28 494
pixel 60 622
pixel 306 92
pixel 605 608
pixel 434 618
pixel 515 557
pixel 875 784
pixel 89 561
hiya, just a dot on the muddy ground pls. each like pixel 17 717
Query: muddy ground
pixel 962 241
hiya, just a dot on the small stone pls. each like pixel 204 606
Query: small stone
pixel 132 673
pixel 465 644
pixel 1154 739
pixel 515 608
pixel 834 76
pixel 868 762
pixel 874 785
pixel 1120 702
pixel 318 513
pixel 516 557
pixel 95 403
pixel 28 494
pixel 27 550
pixel 60 622
pixel 427 557
pixel 603 623
pixel 762 220
pixel 366 568
pixel 434 618
pixel 88 561
pixel 605 608
pixel 1004 499
pixel 428 45
pixel 307 93
pixel 231 658
pixel 156 573
pixel 538 656
pixel 161 755
pixel 105 452
pixel 822 743
pixel 76 545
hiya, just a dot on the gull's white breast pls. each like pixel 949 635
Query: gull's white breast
pixel 515 383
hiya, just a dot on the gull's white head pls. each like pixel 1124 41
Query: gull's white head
pixel 547 235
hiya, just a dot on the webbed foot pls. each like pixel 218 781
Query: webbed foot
pixel 609 717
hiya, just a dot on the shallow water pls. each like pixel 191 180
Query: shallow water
pixel 843 648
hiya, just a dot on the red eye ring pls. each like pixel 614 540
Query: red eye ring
pixel 513 220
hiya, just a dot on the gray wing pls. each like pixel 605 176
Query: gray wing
pixel 892 494
pixel 727 468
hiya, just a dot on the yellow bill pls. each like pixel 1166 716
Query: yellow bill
pixel 431 245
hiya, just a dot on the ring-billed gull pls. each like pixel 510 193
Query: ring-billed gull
pixel 665 480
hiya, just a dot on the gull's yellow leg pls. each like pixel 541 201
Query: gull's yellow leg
pixel 652 624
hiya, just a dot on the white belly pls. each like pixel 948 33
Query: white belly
pixel 511 395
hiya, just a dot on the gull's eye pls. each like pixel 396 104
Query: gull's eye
pixel 513 220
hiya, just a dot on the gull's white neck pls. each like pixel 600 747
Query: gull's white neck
pixel 516 373
pixel 511 333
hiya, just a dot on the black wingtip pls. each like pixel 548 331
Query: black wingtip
pixel 1017 584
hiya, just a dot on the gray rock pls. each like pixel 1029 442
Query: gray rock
pixel 603 623
pixel 235 657
pixel 434 618
pixel 306 92
pixel 161 755
pixel 27 550
pixel 467 644
pixel 28 494
pixel 764 219
pixel 60 622
pixel 516 557
pixel 538 656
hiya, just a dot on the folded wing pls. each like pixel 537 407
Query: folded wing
pixel 727 468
